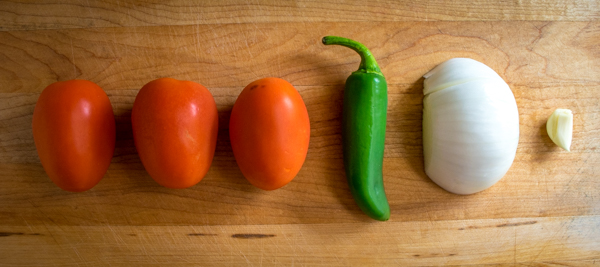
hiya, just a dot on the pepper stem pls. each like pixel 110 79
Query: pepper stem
pixel 367 61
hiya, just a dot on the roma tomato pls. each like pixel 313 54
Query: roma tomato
pixel 74 133
pixel 175 125
pixel 269 131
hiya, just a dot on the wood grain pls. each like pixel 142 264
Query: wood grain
pixel 544 212
pixel 225 56
pixel 527 241
pixel 52 14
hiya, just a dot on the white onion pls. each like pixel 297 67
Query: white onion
pixel 470 126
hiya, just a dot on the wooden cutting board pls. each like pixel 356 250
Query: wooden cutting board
pixel 545 211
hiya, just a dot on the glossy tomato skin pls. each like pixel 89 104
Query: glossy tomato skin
pixel 74 133
pixel 269 130
pixel 175 125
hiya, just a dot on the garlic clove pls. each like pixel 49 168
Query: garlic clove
pixel 560 128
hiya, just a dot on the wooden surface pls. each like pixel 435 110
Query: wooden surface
pixel 545 211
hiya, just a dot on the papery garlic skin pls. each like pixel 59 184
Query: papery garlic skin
pixel 470 126
pixel 560 128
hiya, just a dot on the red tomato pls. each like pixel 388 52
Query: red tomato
pixel 74 133
pixel 175 125
pixel 269 131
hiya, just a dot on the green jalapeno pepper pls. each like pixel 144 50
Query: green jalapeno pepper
pixel 363 131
